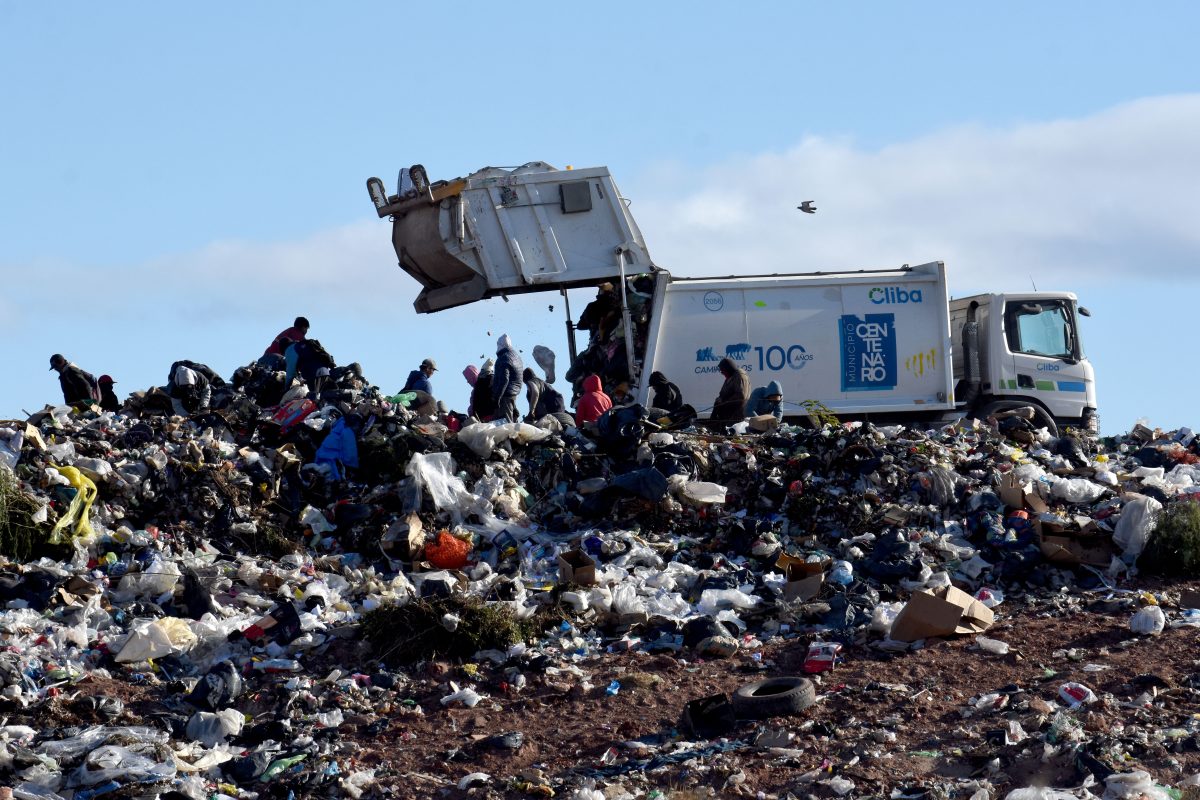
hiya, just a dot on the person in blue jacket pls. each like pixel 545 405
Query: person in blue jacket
pixel 418 379
pixel 506 382
pixel 766 400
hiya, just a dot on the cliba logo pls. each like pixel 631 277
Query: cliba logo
pixel 884 295
pixel 1048 367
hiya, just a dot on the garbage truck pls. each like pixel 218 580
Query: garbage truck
pixel 888 345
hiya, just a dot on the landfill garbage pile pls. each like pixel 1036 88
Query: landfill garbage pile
pixel 340 597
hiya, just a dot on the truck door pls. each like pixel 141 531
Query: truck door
pixel 1042 336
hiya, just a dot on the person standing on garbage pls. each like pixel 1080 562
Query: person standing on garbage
pixel 108 398
pixel 418 379
pixel 543 399
pixel 666 394
pixel 730 404
pixel 291 335
pixel 766 400
pixel 506 382
pixel 483 407
pixel 593 403
pixel 78 386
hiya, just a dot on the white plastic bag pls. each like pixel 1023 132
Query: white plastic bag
pixel 704 492
pixel 1040 793
pixel 1133 528
pixel 213 729
pixel 1077 490
pixel 1136 785
pixel 434 472
pixel 1148 621
pixel 714 600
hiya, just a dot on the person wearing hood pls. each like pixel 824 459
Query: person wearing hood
pixel 78 386
pixel 730 404
pixel 766 400
pixel 108 398
pixel 506 382
pixel 543 398
pixel 593 402
pixel 666 394
pixel 418 379
pixel 482 407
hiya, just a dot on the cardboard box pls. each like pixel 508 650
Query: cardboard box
pixel 577 567
pixel 763 423
pixel 1016 495
pixel 1072 549
pixel 804 578
pixel 942 613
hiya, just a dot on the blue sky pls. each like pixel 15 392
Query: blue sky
pixel 181 181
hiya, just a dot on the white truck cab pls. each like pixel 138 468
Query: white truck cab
pixel 1029 352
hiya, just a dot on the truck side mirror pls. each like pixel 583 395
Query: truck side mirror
pixel 1084 312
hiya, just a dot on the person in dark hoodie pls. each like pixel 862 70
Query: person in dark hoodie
pixel 766 400
pixel 731 400
pixel 78 386
pixel 543 399
pixel 108 398
pixel 666 394
pixel 506 383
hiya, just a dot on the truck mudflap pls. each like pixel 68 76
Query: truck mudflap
pixel 500 231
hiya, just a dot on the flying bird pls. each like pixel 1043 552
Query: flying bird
pixel 807 207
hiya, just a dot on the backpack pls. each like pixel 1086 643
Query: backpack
pixel 292 413
pixel 93 385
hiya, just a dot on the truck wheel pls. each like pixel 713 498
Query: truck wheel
pixel 1041 419
pixel 774 697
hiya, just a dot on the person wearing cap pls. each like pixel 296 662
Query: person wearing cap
pixel 78 386
pixel 108 398
pixel 418 379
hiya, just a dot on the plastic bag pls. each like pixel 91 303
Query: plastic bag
pixel 212 729
pixel 1136 785
pixel 467 697
pixel 1148 621
pixel 482 437
pixel 1133 528
pixel 121 764
pixel 714 600
pixel 155 639
pixel 1076 694
pixel 75 521
pixel 1077 490
pixel 434 472
pixel 704 493
pixel 994 646
pixel 1040 793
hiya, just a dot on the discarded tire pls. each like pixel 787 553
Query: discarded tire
pixel 774 697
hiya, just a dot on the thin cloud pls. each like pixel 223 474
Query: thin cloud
pixel 1101 197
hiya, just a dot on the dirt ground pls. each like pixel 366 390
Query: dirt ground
pixel 885 722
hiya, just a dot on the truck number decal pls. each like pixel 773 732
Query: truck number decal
pixel 776 358
pixel 868 346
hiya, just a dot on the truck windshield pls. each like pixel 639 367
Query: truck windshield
pixel 1040 329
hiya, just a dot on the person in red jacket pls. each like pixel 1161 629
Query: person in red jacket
pixel 593 403
pixel 296 333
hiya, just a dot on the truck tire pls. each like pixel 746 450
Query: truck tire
pixel 774 697
pixel 1041 418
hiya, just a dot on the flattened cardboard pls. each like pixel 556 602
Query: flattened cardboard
pixel 1189 598
pixel 577 567
pixel 1069 550
pixel 944 612
pixel 804 578
pixel 1014 495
